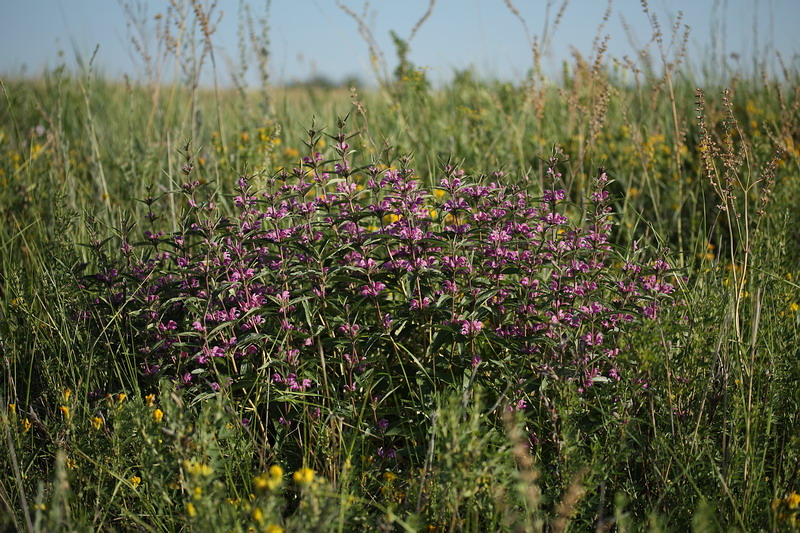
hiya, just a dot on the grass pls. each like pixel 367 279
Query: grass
pixel 436 419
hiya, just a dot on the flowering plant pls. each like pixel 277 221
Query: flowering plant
pixel 337 282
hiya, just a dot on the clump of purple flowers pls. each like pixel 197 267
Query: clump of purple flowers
pixel 332 281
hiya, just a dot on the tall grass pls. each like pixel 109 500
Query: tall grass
pixel 449 422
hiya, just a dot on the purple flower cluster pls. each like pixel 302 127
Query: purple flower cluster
pixel 329 278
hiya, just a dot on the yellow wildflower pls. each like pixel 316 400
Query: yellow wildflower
pixel 150 400
pixel 794 307
pixel 389 476
pixel 793 500
pixel 135 481
pixel 121 397
pixel 258 516
pixel 190 510
pixel 26 425
pixel 304 476
pixel 261 482
pixel 12 408
pixel 67 394
pixel 158 414
pixel 97 422
pixel 271 481
pixel 65 411
pixel 70 463
pixel 273 528
pixel 196 468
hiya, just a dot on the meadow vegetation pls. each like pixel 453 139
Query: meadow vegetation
pixel 548 305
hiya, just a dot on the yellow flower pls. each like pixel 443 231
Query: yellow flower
pixel 389 476
pixel 97 422
pixel 276 471
pixel 273 528
pixel 158 414
pixel 65 411
pixel 121 397
pixel 794 307
pixel 70 463
pixel 12 408
pixel 26 425
pixel 67 394
pixel 135 481
pixel 271 481
pixel 304 476
pixel 196 468
pixel 190 510
pixel 261 482
pixel 793 500
pixel 258 516
pixel 150 400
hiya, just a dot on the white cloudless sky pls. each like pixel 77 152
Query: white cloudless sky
pixel 316 37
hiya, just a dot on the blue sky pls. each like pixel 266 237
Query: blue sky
pixel 316 37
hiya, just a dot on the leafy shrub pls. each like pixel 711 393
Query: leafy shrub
pixel 358 292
